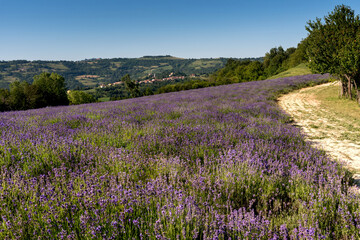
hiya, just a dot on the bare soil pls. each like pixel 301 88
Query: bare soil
pixel 325 128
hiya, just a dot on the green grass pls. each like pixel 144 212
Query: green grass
pixel 198 64
pixel 104 99
pixel 347 108
pixel 92 90
pixel 301 69
pixel 90 82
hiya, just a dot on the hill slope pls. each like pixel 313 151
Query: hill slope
pixel 90 73
pixel 220 162
pixel 301 69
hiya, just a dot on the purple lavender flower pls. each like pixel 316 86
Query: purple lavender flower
pixel 220 162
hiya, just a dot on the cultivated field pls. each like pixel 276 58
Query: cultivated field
pixel 213 163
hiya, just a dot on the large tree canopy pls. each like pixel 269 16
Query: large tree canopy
pixel 333 46
pixel 46 90
pixel 51 88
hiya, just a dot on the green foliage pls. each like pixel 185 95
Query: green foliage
pixel 89 73
pixel 195 84
pixel 4 100
pixel 297 57
pixel 112 93
pixel 131 86
pixel 22 96
pixel 238 71
pixel 275 61
pixel 80 97
pixel 51 88
pixel 47 90
pixel 148 92
pixel 254 71
pixel 333 46
pixel 17 95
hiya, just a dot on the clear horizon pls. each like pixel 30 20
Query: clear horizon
pixel 78 30
pixel 95 58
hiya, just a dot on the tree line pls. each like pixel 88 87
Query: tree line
pixel 275 61
pixel 46 90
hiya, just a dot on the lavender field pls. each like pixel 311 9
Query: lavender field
pixel 214 163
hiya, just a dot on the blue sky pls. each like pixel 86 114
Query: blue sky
pixel 79 29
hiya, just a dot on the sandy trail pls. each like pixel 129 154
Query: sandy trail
pixel 322 127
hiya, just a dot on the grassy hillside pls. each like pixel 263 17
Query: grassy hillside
pixel 301 69
pixel 329 97
pixel 90 73
pixel 336 106
pixel 215 163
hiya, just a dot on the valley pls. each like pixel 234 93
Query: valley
pixel 91 73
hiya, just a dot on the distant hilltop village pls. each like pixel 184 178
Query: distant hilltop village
pixel 151 80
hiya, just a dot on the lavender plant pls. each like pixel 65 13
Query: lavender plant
pixel 214 163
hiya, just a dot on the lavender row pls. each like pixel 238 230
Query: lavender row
pixel 214 163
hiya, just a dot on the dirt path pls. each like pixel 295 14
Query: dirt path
pixel 326 129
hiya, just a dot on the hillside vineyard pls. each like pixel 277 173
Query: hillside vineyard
pixel 210 163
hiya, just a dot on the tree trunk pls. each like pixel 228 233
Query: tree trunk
pixel 348 81
pixel 343 88
pixel 357 92
pixel 349 89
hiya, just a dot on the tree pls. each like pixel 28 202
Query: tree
pixel 297 57
pixel 131 86
pixel 31 95
pixel 51 89
pixel 148 92
pixel 254 71
pixel 80 97
pixel 273 61
pixel 349 60
pixel 22 96
pixel 17 96
pixel 4 100
pixel 333 46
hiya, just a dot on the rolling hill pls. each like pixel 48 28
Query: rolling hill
pixel 90 73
